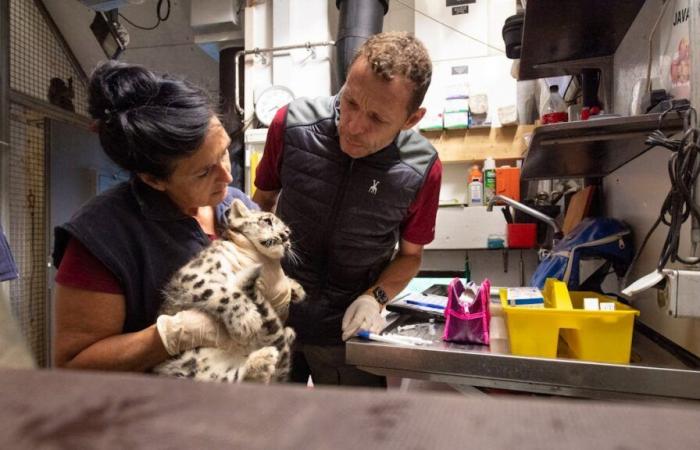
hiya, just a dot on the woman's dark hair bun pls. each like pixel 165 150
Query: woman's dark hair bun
pixel 117 87
pixel 147 121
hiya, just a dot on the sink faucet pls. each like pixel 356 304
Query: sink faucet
pixel 530 212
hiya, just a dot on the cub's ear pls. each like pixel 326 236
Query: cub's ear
pixel 238 210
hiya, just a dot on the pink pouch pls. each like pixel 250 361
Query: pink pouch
pixel 467 324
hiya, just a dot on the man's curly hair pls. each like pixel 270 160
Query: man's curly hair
pixel 399 54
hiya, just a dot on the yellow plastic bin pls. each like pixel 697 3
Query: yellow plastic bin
pixel 604 336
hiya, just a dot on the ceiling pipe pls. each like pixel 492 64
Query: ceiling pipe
pixel 359 19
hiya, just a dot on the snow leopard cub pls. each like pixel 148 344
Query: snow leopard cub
pixel 239 281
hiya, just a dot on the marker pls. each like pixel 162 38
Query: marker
pixel 364 334
pixel 426 305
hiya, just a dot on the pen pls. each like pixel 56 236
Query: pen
pixel 364 334
pixel 427 305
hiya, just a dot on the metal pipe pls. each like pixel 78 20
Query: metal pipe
pixel 229 84
pixel 257 51
pixel 228 88
pixel 526 209
pixel 358 20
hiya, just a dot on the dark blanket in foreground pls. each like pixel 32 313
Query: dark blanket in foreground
pixel 62 409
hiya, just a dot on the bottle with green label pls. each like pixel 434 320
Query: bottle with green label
pixel 489 179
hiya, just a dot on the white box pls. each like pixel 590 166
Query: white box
pixel 590 304
pixel 525 297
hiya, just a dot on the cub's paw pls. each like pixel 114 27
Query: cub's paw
pixel 243 324
pixel 289 336
pixel 298 293
pixel 261 365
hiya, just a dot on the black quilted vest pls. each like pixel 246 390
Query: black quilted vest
pixel 142 238
pixel 345 214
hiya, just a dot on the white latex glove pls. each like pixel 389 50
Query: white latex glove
pixel 362 314
pixel 190 329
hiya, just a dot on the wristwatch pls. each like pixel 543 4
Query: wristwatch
pixel 380 295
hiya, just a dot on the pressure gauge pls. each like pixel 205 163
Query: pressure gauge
pixel 269 101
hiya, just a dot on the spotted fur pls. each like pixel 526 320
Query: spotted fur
pixel 214 282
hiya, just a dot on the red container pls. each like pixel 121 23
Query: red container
pixel 522 235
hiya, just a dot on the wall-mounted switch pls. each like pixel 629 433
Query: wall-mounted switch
pixel 682 293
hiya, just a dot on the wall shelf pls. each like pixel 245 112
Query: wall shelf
pixel 475 144
pixel 556 33
pixel 592 148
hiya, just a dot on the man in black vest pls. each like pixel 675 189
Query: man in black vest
pixel 352 180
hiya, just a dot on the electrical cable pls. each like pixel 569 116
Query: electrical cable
pixel 159 16
pixel 426 15
pixel 679 205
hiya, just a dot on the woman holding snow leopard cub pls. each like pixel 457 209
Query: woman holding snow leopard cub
pixel 118 252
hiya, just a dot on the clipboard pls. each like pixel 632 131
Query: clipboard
pixel 420 305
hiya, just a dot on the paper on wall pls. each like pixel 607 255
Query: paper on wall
pixel 674 49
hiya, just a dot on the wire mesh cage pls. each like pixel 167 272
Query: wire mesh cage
pixel 39 68
pixel 27 229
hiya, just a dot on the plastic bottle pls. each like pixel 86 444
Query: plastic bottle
pixel 554 108
pixel 476 188
pixel 489 179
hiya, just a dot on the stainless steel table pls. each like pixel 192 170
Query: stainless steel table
pixel 653 373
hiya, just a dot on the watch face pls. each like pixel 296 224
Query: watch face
pixel 380 295
pixel 269 101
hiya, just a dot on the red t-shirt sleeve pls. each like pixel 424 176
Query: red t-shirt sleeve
pixel 419 226
pixel 80 269
pixel 267 175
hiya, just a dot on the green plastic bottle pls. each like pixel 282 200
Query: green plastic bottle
pixel 489 179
